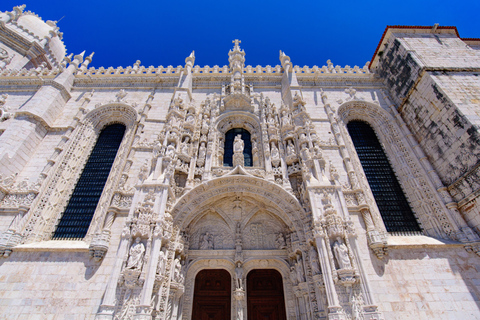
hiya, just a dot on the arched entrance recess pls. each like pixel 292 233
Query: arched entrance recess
pixel 229 208
pixel 265 297
pixel 212 297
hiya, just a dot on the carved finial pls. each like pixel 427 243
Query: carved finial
pixel 190 60
pixel 237 44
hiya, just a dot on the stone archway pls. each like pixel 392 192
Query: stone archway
pixel 237 220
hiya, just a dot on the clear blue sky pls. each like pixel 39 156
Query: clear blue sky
pixel 310 32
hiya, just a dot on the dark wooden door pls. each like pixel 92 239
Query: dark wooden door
pixel 212 296
pixel 265 300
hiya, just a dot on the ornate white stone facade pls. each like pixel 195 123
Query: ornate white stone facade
pixel 171 208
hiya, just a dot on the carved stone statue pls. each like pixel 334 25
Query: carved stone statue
pixel 157 149
pixel 238 144
pixel 177 271
pixel 206 241
pixel 286 119
pixel 162 259
pixel 275 155
pixel 239 276
pixel 293 275
pixel 202 152
pixel 299 269
pixel 340 251
pixel 170 150
pixel 314 261
pixel 135 259
pixel 280 241
pixel 185 147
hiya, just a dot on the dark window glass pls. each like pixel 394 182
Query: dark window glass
pixel 247 149
pixel 81 207
pixel 394 208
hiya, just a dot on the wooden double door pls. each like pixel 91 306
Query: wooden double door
pixel 213 288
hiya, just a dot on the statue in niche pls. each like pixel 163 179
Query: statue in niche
pixel 239 276
pixel 299 269
pixel 314 261
pixel 270 120
pixel 238 144
pixel 202 152
pixel 177 271
pixel 190 119
pixel 293 275
pixel 206 241
pixel 280 241
pixel 157 149
pixel 290 149
pixel 275 155
pixel 205 123
pixel 170 151
pixel 137 250
pixel 340 251
pixel 162 260
pixel 286 119
pixel 185 147
pixel 305 153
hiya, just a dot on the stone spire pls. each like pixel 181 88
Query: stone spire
pixel 236 58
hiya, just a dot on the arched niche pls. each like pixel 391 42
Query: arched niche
pixel 248 122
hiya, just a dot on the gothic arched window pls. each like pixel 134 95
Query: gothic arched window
pixel 247 150
pixel 394 208
pixel 81 207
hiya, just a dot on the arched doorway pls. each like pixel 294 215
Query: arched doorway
pixel 265 298
pixel 212 295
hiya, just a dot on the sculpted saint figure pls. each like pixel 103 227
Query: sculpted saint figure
pixel 238 144
pixel 161 262
pixel 299 268
pixel 136 255
pixel 177 272
pixel 202 151
pixel 286 119
pixel 341 254
pixel 170 150
pixel 275 155
pixel 239 276
pixel 206 242
pixel 314 260
pixel 293 275
pixel 290 148
pixel 280 241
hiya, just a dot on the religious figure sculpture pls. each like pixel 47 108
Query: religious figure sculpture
pixel 170 150
pixel 341 254
pixel 299 269
pixel 136 253
pixel 293 275
pixel 238 157
pixel 286 119
pixel 275 155
pixel 314 261
pixel 185 147
pixel 239 276
pixel 280 241
pixel 202 151
pixel 238 144
pixel 206 241
pixel 162 259
pixel 177 272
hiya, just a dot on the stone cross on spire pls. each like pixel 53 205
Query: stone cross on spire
pixel 237 44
